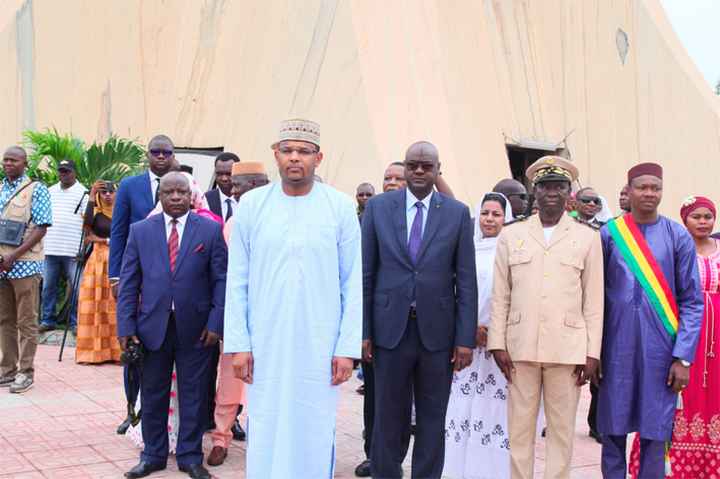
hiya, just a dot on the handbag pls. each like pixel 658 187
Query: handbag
pixel 11 231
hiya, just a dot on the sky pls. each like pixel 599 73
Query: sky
pixel 696 23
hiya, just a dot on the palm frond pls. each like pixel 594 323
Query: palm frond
pixel 112 160
pixel 47 148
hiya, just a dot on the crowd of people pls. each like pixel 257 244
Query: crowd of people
pixel 264 297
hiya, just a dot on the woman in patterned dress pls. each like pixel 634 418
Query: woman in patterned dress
pixel 476 441
pixel 97 327
pixel 695 448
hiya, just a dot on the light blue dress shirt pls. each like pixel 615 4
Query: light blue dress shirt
pixel 411 211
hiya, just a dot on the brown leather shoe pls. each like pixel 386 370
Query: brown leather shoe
pixel 217 456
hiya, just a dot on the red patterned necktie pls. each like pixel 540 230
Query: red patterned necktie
pixel 173 242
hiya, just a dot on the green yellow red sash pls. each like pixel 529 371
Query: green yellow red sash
pixel 642 263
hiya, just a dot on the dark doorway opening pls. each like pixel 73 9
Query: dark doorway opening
pixel 202 162
pixel 520 158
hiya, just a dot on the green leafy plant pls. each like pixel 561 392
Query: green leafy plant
pixel 46 149
pixel 112 160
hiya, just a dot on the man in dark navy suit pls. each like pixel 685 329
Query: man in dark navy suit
pixel 220 199
pixel 135 199
pixel 420 312
pixel 171 299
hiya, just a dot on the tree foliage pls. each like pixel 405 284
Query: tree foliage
pixel 112 160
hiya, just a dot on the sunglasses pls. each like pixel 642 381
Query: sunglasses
pixel 157 152
pixel 587 200
pixel 412 166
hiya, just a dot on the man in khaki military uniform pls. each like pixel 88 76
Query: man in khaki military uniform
pixel 547 316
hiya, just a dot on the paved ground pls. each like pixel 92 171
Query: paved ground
pixel 65 428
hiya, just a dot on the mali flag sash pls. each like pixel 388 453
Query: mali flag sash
pixel 642 263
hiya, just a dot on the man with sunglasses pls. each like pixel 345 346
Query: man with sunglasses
pixel 588 205
pixel 420 312
pixel 135 199
pixel 516 193
pixel 363 193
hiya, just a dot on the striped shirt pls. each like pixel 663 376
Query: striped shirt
pixel 63 237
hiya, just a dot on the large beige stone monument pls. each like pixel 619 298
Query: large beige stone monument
pixel 490 82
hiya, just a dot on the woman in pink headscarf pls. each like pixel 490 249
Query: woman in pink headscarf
pixel 695 447
pixel 198 203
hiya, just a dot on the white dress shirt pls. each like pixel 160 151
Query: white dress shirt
pixel 224 204
pixel 411 211
pixel 180 226
pixel 154 184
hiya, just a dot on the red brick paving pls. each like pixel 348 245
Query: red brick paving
pixel 64 427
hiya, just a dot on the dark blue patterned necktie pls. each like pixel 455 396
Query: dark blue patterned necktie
pixel 416 233
pixel 229 213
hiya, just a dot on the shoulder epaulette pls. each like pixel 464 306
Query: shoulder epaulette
pixel 589 225
pixel 519 219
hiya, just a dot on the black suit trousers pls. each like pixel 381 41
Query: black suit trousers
pixel 368 405
pixel 191 364
pixel 408 368
pixel 212 383
pixel 369 411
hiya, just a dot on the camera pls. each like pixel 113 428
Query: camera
pixel 133 354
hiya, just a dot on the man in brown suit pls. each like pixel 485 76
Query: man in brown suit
pixel 546 321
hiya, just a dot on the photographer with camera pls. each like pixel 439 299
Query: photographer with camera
pixel 25 214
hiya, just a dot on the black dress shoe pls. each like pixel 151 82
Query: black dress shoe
pixel 363 469
pixel 196 471
pixel 143 469
pixel 237 431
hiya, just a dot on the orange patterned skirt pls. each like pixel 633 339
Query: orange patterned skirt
pixel 96 325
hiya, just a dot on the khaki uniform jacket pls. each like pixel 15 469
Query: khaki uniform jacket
pixel 547 299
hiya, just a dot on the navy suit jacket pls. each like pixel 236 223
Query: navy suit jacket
pixel 133 202
pixel 443 279
pixel 197 286
pixel 213 199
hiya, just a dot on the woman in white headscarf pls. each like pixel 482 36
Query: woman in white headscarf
pixel 476 438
